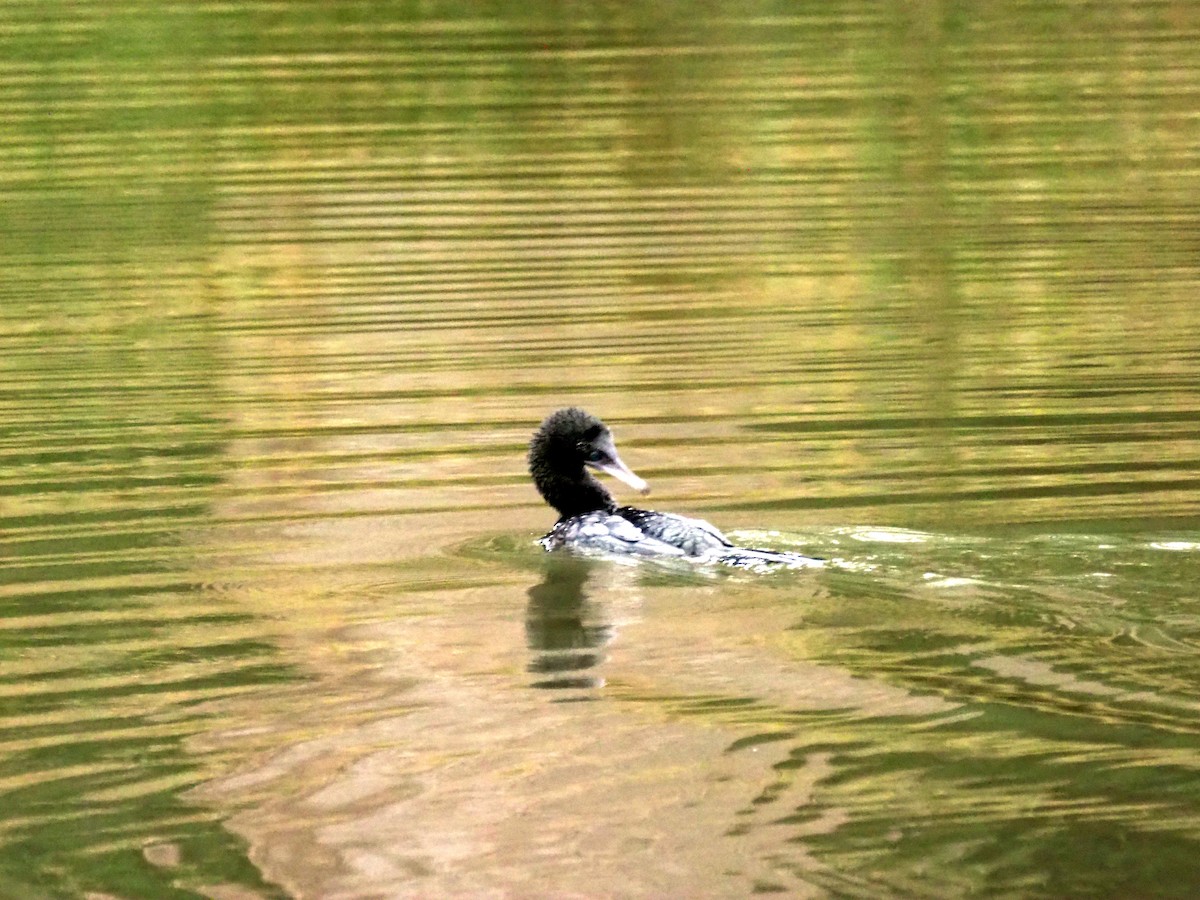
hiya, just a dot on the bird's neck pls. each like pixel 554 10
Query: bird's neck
pixel 574 495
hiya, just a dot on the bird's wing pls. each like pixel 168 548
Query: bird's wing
pixel 693 536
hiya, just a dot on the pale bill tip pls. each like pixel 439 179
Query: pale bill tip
pixel 621 472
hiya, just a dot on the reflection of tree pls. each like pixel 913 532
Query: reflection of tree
pixel 563 628
pixel 115 649
pixel 1008 798
pixel 913 228
pixel 1054 777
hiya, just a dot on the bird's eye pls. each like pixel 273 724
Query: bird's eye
pixel 594 456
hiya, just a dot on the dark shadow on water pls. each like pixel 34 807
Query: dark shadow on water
pixel 565 631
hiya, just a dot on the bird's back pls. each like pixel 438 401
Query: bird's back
pixel 694 537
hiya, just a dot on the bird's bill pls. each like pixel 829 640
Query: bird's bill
pixel 618 470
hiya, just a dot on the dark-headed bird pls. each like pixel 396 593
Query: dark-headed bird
pixel 563 450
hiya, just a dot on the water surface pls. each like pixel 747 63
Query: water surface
pixel 285 290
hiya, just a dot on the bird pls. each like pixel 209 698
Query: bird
pixel 563 450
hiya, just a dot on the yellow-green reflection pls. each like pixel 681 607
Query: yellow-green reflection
pixel 287 285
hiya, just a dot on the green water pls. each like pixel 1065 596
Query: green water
pixel 286 287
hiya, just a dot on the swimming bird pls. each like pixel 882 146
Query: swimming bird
pixel 569 443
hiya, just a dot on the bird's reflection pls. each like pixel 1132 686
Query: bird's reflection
pixel 564 629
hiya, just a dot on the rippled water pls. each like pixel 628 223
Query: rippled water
pixel 287 286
